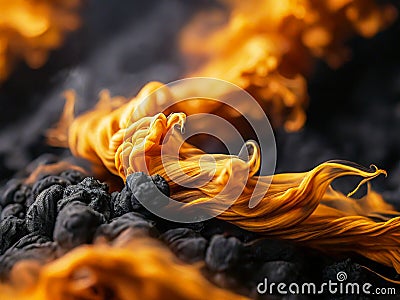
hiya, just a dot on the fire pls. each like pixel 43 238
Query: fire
pixel 140 269
pixel 303 207
pixel 29 29
pixel 268 47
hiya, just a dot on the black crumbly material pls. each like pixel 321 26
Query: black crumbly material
pixel 11 230
pixel 76 224
pixel 13 210
pixel 187 244
pixel 98 194
pixel 131 220
pixel 41 215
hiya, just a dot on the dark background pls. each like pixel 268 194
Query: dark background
pixel 354 111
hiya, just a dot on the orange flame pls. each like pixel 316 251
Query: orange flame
pixel 138 270
pixel 29 29
pixel 297 206
pixel 268 47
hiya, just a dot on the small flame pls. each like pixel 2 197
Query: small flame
pixel 30 29
pixel 268 47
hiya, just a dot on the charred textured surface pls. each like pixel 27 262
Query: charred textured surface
pixel 41 215
pixel 11 230
pixel 121 202
pixel 76 224
pixel 187 244
pixel 95 192
pixel 138 223
pixel 223 253
pixel 32 246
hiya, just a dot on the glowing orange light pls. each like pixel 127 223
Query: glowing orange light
pixel 268 47
pixel 29 29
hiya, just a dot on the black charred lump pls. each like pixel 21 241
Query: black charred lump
pixel 47 182
pixel 161 184
pixel 151 190
pixel 139 225
pixel 99 198
pixel 11 230
pixel 223 253
pixel 76 224
pixel 72 176
pixel 41 215
pixel 186 244
pixel 30 239
pixel 15 191
pixel 31 246
pixel 121 202
pixel 80 196
pixel 13 210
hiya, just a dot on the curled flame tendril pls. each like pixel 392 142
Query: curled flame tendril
pixel 297 206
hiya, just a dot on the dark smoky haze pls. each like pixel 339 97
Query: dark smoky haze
pixel 353 113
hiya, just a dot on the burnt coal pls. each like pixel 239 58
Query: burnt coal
pixel 66 210
pixel 97 192
pixel 73 176
pixel 76 224
pixel 138 223
pixel 41 215
pixel 31 246
pixel 223 253
pixel 47 182
pixel 14 210
pixel 121 202
pixel 11 230
pixel 187 244
pixel 14 192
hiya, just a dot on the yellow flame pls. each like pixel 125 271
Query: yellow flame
pixel 141 269
pixel 268 46
pixel 30 29
pixel 297 206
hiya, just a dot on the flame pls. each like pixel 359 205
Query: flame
pixel 297 206
pixel 268 47
pixel 29 29
pixel 140 269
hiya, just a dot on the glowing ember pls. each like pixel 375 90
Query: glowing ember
pixel 141 269
pixel 29 29
pixel 268 47
pixel 297 206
